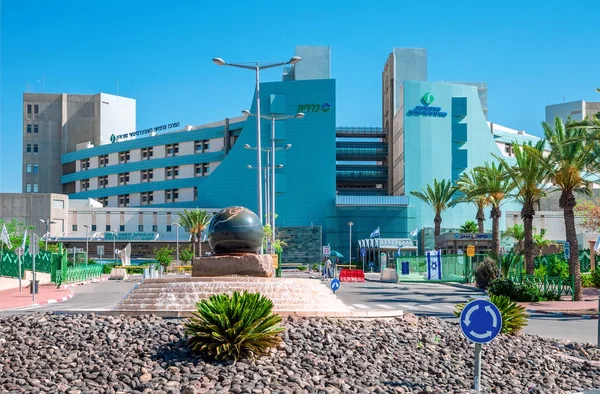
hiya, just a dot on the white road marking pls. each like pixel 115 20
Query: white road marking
pixel 361 306
pixel 384 306
pixel 411 307
pixel 435 308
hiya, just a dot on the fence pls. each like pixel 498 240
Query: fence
pixel 455 268
pixel 550 259
pixel 79 274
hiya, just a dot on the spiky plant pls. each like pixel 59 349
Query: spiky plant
pixel 514 317
pixel 234 327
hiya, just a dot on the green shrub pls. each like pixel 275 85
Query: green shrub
pixel 596 278
pixel 550 295
pixel 106 268
pixel 540 271
pixel 525 292
pixel 486 273
pixel 560 268
pixel 514 318
pixel 503 287
pixel 234 327
pixel 302 268
pixel 586 280
pixel 315 267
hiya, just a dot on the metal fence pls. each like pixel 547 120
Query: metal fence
pixel 550 259
pixel 79 274
pixel 455 268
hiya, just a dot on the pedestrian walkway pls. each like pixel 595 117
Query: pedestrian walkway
pixel 47 294
pixel 415 308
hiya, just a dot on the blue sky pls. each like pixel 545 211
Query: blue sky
pixel 530 52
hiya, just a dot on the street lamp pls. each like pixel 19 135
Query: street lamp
pixel 177 235
pixel 273 118
pixel 114 233
pixel 350 247
pixel 47 222
pixel 257 67
pixel 87 255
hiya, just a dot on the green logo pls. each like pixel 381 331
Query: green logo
pixel 113 138
pixel 428 98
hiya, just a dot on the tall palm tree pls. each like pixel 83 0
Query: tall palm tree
pixel 195 221
pixel 529 175
pixel 571 156
pixel 467 183
pixel 437 197
pixel 496 185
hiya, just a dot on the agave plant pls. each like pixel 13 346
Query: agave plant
pixel 514 318
pixel 234 327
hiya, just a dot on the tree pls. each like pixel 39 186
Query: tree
pixel 496 185
pixel 529 175
pixel 186 255
pixel 195 221
pixel 16 229
pixel 438 198
pixel 469 227
pixel 279 239
pixel 571 156
pixel 467 184
pixel 518 233
pixel 164 256
pixel 590 210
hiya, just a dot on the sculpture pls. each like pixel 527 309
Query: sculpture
pixel 235 230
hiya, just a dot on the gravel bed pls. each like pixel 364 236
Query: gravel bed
pixel 48 353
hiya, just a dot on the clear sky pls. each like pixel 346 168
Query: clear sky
pixel 530 53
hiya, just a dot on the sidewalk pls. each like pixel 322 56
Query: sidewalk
pixel 47 294
pixel 587 308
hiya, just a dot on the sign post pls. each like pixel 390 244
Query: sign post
pixel 19 252
pixel 363 253
pixel 100 251
pixel 480 322
pixel 34 250
pixel 335 284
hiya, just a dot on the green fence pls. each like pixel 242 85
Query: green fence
pixel 549 259
pixel 454 268
pixel 79 274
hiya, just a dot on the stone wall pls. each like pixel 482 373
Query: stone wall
pixel 304 244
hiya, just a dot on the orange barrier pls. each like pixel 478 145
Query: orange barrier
pixel 347 275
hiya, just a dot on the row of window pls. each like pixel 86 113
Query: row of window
pixel 31 168
pixel 147 153
pixel 171 195
pixel 32 148
pixel 30 189
pixel 36 110
pixel 32 128
pixel 141 228
pixel 146 175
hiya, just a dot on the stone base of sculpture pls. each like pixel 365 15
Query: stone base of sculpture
pixel 118 274
pixel 259 265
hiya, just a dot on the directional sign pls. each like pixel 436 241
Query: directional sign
pixel 363 252
pixel 480 321
pixel 567 250
pixel 326 250
pixel 335 284
pixel 100 250
pixel 471 250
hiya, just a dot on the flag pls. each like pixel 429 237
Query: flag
pixel 414 232
pixel 4 237
pixel 434 265
pixel 597 246
pixel 24 239
pixel 375 233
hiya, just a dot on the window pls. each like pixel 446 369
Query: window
pixel 36 109
pixel 147 175
pixel 124 156
pixel 103 200
pixel 147 153
pixel 169 228
pixel 141 228
pixel 84 184
pixel 35 168
pixel 29 110
pixel 28 188
pixel 93 227
pixel 108 227
pixel 103 181
pixel 123 200
pixel 172 149
pixel 171 195
pixel 198 169
pixel 29 128
pixel 172 172
pixel 123 178
pixel 58 204
pixel 85 164
pixel 35 187
pixel 201 146
pixel 205 168
pixel 122 227
pixel 28 148
pixel 195 192
pixel 147 197
pixel 205 145
pixel 103 160
pixel 154 228
pixel 35 148
pixel 35 128
pixel 74 227
pixel 29 167
pixel 508 149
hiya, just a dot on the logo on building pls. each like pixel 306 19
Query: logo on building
pixel 304 108
pixel 113 139
pixel 426 109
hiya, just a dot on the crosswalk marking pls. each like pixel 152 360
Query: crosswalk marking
pixel 385 306
pixel 361 306
pixel 411 307
pixel 435 308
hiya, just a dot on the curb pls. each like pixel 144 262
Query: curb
pixel 373 314
pixel 83 283
pixel 52 301
pixel 563 314
pixel 463 286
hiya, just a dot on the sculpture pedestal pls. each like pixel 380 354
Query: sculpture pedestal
pixel 118 274
pixel 259 265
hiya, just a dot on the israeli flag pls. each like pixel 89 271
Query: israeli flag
pixel 375 233
pixel 597 246
pixel 434 265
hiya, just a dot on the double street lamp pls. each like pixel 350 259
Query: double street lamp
pixel 47 222
pixel 257 67
pixel 177 235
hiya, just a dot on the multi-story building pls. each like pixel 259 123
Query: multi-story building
pixel 574 110
pixel 54 124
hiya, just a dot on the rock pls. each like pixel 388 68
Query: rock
pixel 256 265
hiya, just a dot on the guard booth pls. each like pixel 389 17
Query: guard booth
pixel 389 247
pixel 452 243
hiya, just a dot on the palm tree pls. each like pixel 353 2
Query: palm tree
pixel 467 183
pixel 529 174
pixel 437 198
pixel 517 231
pixel 571 156
pixel 496 185
pixel 195 221
pixel 468 227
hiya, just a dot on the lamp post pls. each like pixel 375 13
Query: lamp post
pixel 350 247
pixel 177 235
pixel 114 233
pixel 47 222
pixel 87 255
pixel 257 67
pixel 273 118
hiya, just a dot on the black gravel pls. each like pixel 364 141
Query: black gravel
pixel 47 353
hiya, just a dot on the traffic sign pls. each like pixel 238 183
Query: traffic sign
pixel 20 251
pixel 100 250
pixel 471 250
pixel 480 321
pixel 567 250
pixel 363 252
pixel 335 284
pixel 326 250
